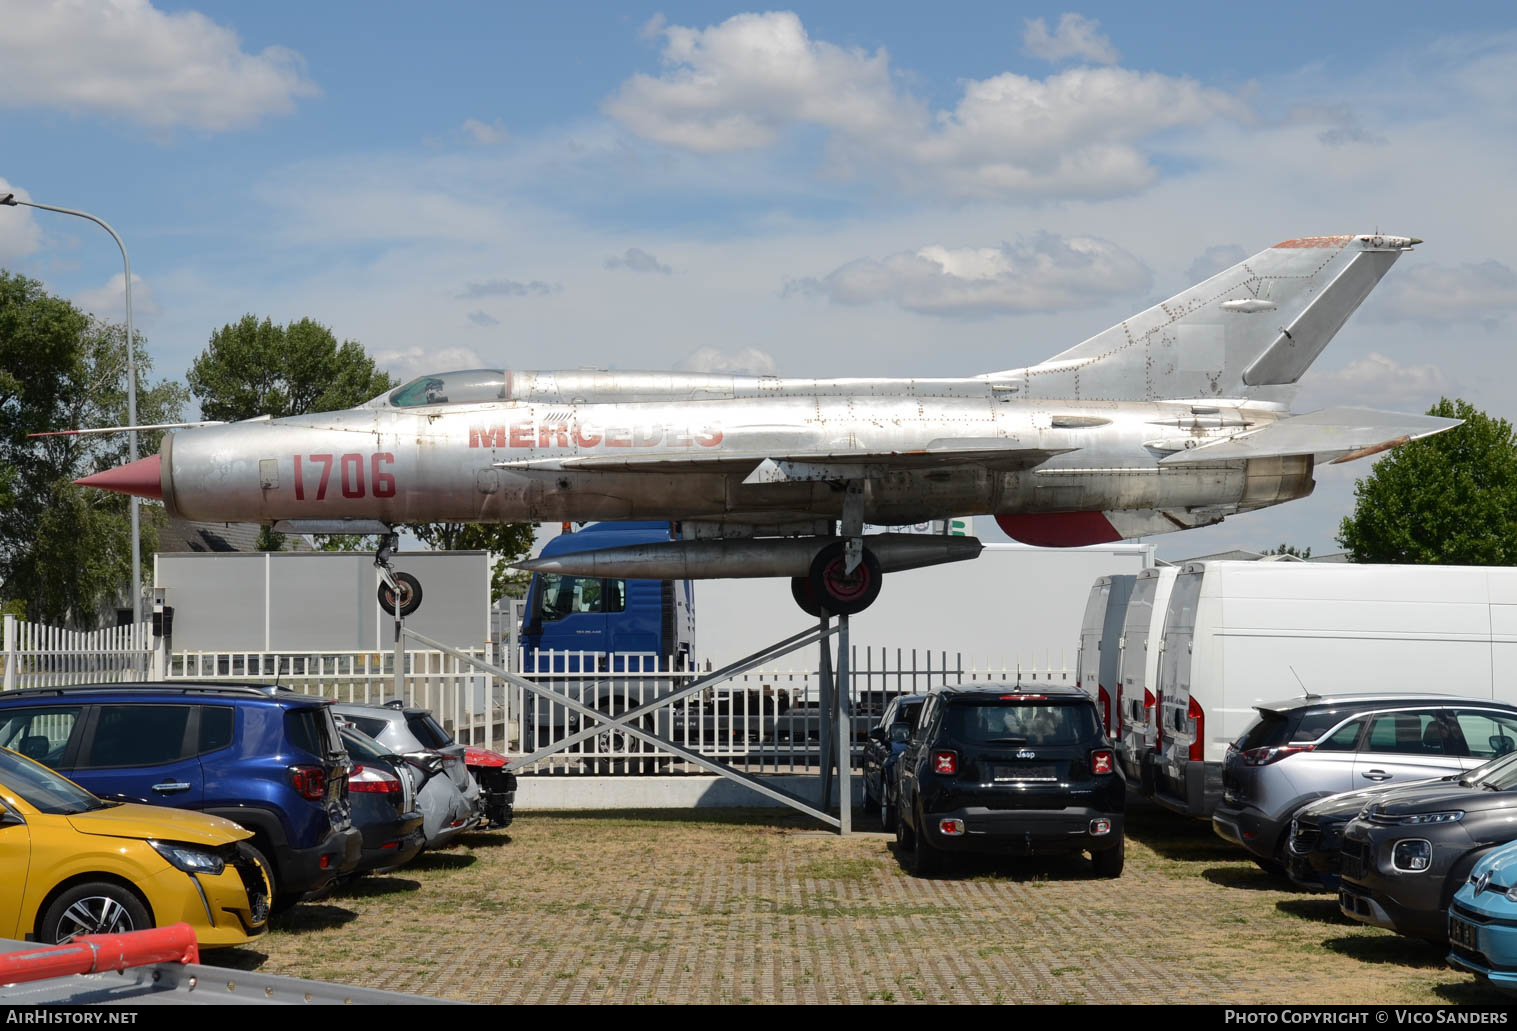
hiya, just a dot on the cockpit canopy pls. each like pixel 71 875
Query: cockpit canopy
pixel 470 385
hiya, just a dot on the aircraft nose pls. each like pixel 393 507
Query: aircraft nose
pixel 143 478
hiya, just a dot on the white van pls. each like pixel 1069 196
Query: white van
pixel 1137 671
pixel 1240 634
pixel 1097 660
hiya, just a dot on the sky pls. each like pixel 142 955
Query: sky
pixel 759 190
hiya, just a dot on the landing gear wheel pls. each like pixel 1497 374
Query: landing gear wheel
pixel 839 592
pixel 97 907
pixel 410 594
pixel 800 590
pixel 1108 862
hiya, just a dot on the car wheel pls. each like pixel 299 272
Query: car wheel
pixel 1108 862
pixel 871 804
pixel 888 816
pixel 925 859
pixel 905 837
pixel 262 859
pixel 98 907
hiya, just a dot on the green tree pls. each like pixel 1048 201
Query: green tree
pixel 506 541
pixel 1288 549
pixel 65 551
pixel 1449 499
pixel 254 368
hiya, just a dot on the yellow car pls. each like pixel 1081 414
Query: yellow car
pixel 72 863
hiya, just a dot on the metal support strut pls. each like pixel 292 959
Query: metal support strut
pixel 627 722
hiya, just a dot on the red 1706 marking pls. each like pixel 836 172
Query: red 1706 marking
pixel 381 482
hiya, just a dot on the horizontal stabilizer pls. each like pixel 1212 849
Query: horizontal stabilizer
pixel 1331 434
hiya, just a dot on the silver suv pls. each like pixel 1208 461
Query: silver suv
pixel 1306 748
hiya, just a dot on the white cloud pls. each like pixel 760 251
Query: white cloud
pixel 485 133
pixel 19 233
pixel 749 361
pixel 1373 380
pixel 508 288
pixel 734 86
pixel 108 301
pixel 1483 293
pixel 638 260
pixel 1213 260
pixel 127 59
pixel 1042 273
pixel 410 362
pixel 1076 36
pixel 741 84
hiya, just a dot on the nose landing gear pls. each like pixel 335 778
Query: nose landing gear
pixel 396 588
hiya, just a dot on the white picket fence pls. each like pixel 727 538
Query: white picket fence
pixel 37 655
pixel 763 721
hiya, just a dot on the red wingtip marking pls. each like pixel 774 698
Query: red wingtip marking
pixel 1059 529
pixel 143 478
pixel 1315 241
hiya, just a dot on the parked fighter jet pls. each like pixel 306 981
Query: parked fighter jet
pixel 1172 419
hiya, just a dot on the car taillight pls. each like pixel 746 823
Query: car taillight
pixel 1198 727
pixel 945 762
pixel 309 782
pixel 1105 700
pixel 369 780
pixel 1265 756
pixel 1102 761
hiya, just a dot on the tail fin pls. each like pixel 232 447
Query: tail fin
pixel 1249 332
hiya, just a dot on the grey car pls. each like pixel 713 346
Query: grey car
pixel 1306 748
pixel 445 793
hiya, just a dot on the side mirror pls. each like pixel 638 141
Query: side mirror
pixel 900 733
pixel 877 734
pixel 10 819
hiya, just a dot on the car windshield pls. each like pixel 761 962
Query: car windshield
pixel 1500 774
pixel 1037 722
pixel 44 790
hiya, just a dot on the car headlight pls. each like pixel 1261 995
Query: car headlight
pixel 1451 816
pixel 188 858
pixel 1412 855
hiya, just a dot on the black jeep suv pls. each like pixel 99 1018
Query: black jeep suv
pixel 1011 770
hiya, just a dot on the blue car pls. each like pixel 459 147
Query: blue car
pixel 887 740
pixel 1483 920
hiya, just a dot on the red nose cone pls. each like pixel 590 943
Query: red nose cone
pixel 142 478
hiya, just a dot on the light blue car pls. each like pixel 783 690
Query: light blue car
pixel 1483 920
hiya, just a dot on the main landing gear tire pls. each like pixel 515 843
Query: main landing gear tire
pixel 800 590
pixel 410 594
pixel 839 592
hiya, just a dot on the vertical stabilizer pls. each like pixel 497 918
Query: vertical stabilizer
pixel 1245 332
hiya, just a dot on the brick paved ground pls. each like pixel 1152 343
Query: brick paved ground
pixel 734 906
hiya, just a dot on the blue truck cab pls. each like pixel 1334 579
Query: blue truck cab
pixel 576 624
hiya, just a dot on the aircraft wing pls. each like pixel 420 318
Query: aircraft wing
pixel 1332 434
pixel 811 464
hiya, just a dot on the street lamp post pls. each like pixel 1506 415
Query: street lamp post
pixel 10 200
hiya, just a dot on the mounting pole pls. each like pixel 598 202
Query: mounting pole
pixel 824 716
pixel 841 711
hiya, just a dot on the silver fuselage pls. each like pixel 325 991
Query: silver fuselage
pixel 516 459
